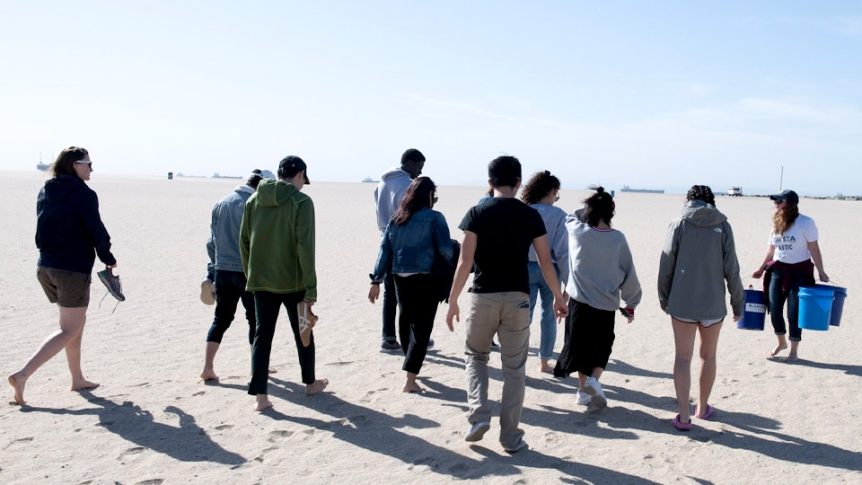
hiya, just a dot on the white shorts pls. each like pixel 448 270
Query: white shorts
pixel 704 323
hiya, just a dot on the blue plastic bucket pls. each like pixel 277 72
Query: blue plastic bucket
pixel 755 311
pixel 815 308
pixel 839 295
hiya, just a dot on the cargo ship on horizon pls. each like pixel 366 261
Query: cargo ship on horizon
pixel 626 188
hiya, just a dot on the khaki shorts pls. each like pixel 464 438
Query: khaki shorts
pixel 65 288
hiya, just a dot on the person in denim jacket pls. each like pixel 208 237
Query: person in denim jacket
pixel 413 239
pixel 225 280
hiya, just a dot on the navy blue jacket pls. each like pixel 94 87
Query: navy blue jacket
pixel 68 226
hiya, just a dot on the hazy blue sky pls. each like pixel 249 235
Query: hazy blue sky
pixel 649 94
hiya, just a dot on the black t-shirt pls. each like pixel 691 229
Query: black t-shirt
pixel 505 228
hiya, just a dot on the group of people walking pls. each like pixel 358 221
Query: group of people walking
pixel 524 254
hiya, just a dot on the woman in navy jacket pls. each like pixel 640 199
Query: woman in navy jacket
pixel 415 237
pixel 69 235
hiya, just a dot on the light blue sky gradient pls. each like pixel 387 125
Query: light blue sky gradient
pixel 649 94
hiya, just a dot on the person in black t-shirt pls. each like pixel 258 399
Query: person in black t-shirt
pixel 497 237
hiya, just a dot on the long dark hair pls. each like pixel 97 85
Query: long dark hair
pixel 416 198
pixel 539 185
pixel 598 207
pixel 785 217
pixel 66 160
pixel 702 193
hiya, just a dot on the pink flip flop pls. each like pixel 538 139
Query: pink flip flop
pixel 680 425
pixel 707 414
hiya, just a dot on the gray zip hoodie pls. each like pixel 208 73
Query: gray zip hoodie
pixel 388 194
pixel 699 256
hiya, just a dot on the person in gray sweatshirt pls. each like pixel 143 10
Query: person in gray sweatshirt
pixel 601 272
pixel 698 259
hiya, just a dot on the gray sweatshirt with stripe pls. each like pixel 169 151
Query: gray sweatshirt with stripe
pixel 601 269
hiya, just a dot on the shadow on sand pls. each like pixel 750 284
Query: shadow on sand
pixel 188 442
pixel 380 433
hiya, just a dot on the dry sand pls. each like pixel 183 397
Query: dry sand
pixel 153 421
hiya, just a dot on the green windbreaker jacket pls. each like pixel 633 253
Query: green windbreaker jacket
pixel 276 240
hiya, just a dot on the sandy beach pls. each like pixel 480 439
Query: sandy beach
pixel 154 421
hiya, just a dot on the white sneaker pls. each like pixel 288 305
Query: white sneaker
pixel 584 399
pixel 594 389
pixel 477 431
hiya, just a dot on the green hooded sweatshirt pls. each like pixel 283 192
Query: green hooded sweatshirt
pixel 276 240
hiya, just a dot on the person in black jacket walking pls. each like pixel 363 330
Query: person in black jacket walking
pixel 69 235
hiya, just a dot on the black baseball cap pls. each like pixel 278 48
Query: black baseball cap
pixel 292 165
pixel 788 195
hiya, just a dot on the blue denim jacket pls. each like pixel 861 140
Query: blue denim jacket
pixel 223 243
pixel 411 248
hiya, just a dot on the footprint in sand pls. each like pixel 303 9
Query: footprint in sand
pixel 152 481
pixel 199 393
pixel 279 436
pixel 137 450
pixel 223 427
pixel 20 440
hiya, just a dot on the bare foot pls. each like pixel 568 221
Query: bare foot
pixel 316 387
pixel 209 375
pixel 413 387
pixel 81 384
pixel 546 368
pixel 273 370
pixel 778 348
pixel 18 385
pixel 791 358
pixel 263 402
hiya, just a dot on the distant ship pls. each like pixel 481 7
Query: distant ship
pixel 217 176
pixel 369 180
pixel 626 188
pixel 42 166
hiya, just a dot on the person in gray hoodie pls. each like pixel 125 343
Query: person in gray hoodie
pixel 601 272
pixel 698 259
pixel 387 198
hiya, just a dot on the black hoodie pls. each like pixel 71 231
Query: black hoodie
pixel 68 226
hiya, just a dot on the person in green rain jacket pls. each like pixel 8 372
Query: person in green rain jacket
pixel 277 249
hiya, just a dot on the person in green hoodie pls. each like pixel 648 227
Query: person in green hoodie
pixel 277 251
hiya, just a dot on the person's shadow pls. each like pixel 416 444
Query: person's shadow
pixel 382 434
pixel 188 442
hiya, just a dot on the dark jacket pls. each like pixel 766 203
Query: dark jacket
pixel 68 226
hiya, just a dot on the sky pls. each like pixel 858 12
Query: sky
pixel 658 95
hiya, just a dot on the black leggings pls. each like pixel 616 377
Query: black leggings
pixel 417 303
pixel 230 289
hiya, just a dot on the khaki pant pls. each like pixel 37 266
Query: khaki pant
pixel 506 314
